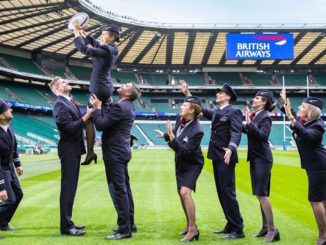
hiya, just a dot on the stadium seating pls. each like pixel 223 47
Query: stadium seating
pixel 82 73
pixel 23 125
pixel 225 77
pixel 154 78
pixel 22 64
pixel 24 94
pixel 321 79
pixel 191 79
pixel 124 77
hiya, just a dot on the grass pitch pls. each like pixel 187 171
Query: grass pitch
pixel 158 213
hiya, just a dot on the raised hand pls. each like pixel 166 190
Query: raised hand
pixel 184 88
pixel 170 131
pixel 160 134
pixel 283 96
pixel 248 120
pixel 288 108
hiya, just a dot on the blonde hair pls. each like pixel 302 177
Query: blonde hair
pixel 197 110
pixel 314 112
pixel 54 84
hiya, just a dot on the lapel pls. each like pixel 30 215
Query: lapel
pixel 2 134
pixel 12 136
pixel 69 106
pixel 259 116
pixel 186 129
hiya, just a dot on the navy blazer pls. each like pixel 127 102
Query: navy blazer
pixel 258 131
pixel 308 138
pixel 103 58
pixel 70 125
pixel 8 155
pixel 226 128
pixel 116 125
pixel 187 145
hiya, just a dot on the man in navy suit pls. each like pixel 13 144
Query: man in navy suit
pixel 10 191
pixel 70 123
pixel 226 129
pixel 116 125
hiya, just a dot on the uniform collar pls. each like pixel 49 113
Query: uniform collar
pixel 5 128
pixel 222 107
pixel 256 113
pixel 66 97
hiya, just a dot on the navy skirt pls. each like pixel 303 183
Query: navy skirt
pixel 260 174
pixel 317 186
pixel 188 176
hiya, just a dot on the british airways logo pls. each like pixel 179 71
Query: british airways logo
pixel 260 46
pixel 278 40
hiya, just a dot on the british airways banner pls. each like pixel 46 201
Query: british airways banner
pixel 259 46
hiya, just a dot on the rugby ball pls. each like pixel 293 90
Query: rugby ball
pixel 81 18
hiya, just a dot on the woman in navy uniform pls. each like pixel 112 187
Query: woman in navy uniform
pixel 104 55
pixel 185 140
pixel 308 129
pixel 226 129
pixel 258 127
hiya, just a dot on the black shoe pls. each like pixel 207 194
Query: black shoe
pixel 195 237
pixel 73 232
pixel 277 237
pixel 118 236
pixel 133 229
pixel 7 228
pixel 90 159
pixel 224 231
pixel 80 227
pixel 234 235
pixel 261 233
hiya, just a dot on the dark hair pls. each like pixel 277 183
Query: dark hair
pixel 268 106
pixel 114 34
pixel 134 92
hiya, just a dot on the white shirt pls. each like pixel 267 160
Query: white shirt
pixel 180 129
pixel 5 128
pixel 67 97
pixel 222 107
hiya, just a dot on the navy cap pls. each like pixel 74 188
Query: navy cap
pixel 266 93
pixel 3 106
pixel 227 89
pixel 112 28
pixel 314 101
pixel 193 99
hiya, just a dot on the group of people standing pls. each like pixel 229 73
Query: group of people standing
pixel 226 130
pixel 115 121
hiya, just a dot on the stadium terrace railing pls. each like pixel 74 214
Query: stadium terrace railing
pixel 30 76
pixel 286 26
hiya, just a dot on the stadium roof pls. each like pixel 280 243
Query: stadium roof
pixel 40 27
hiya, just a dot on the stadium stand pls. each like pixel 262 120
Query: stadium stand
pixel 20 64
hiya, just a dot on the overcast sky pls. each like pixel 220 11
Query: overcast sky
pixel 218 11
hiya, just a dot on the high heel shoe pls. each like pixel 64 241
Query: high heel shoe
pixel 195 237
pixel 89 160
pixel 261 233
pixel 276 236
